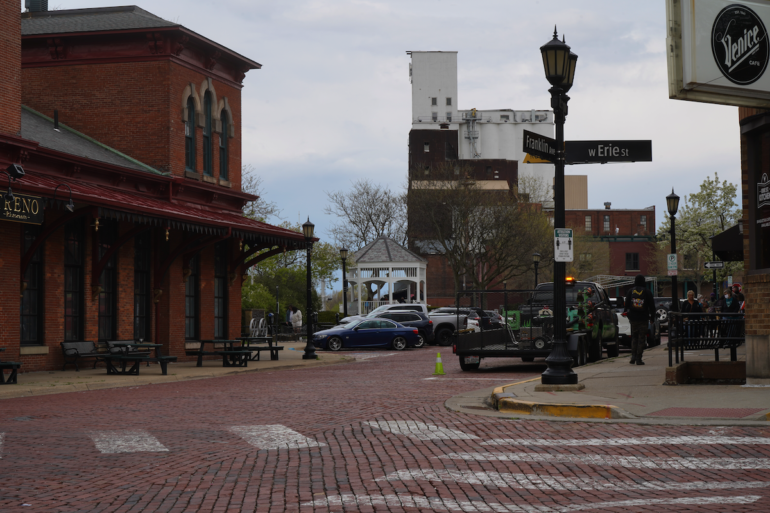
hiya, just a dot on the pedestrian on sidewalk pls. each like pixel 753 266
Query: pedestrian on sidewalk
pixel 639 308
pixel 296 321
pixel 691 306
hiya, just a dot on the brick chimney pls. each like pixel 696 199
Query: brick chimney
pixel 10 64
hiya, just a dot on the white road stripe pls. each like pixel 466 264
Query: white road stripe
pixel 369 356
pixel 651 440
pixel 546 482
pixel 435 503
pixel 619 461
pixel 119 441
pixel 274 436
pixel 419 430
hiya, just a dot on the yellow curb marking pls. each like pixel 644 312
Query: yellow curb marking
pixel 585 411
pixel 500 390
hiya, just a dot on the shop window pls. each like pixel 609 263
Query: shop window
pixel 588 223
pixel 73 281
pixel 142 296
pixel 189 136
pixel 192 300
pixel 220 290
pixel 606 224
pixel 207 149
pixel 224 157
pixel 108 297
pixel 632 261
pixel 32 319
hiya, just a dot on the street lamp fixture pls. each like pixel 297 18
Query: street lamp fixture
pixel 8 195
pixel 560 65
pixel 344 256
pixel 307 230
pixel 672 203
pixel 536 260
pixel 16 171
pixel 69 206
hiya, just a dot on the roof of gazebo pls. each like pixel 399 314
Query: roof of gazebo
pixel 383 250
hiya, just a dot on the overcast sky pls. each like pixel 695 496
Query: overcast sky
pixel 332 102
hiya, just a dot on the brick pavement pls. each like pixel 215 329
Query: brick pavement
pixel 372 435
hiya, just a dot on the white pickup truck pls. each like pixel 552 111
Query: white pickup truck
pixel 443 324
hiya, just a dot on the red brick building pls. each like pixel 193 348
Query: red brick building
pixel 137 121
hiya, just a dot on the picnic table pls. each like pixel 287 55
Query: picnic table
pixel 14 366
pixel 254 344
pixel 127 353
pixel 231 356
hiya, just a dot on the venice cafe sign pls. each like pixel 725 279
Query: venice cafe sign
pixel 718 51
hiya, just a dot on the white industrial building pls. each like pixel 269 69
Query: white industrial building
pixel 482 134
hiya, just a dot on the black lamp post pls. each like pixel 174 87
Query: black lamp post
pixel 536 261
pixel 713 259
pixel 560 64
pixel 307 230
pixel 344 256
pixel 672 203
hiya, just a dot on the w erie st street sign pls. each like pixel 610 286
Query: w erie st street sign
pixel 603 152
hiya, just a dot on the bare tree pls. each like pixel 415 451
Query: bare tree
pixel 367 211
pixel 260 209
pixel 486 235
pixel 535 189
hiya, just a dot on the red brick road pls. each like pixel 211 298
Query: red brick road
pixel 198 446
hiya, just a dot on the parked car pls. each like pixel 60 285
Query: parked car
pixel 662 307
pixel 445 324
pixel 495 315
pixel 421 321
pixel 367 333
pixel 400 307
pixel 485 320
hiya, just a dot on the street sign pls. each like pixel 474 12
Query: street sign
pixel 531 159
pixel 672 267
pixel 715 265
pixel 539 146
pixel 563 245
pixel 602 152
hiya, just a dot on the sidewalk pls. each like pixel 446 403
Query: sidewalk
pixel 616 391
pixel 57 382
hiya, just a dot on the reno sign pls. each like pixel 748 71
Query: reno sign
pixel 718 51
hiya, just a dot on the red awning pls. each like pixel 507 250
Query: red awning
pixel 124 205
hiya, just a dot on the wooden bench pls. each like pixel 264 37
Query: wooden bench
pixel 75 351
pixel 258 349
pixel 11 379
pixel 235 357
pixel 137 359
pixel 704 331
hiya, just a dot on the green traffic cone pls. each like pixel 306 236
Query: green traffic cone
pixel 439 366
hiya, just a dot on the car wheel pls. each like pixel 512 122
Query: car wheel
pixel 334 344
pixel 399 343
pixel 444 337
pixel 662 314
pixel 527 359
pixel 468 366
pixel 420 340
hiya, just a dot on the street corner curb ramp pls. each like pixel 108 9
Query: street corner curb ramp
pixel 508 403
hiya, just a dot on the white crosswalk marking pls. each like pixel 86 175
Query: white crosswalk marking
pixel 435 503
pixel 619 461
pixel 113 442
pixel 274 436
pixel 547 482
pixel 419 430
pixel 649 440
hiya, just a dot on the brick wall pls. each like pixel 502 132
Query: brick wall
pixel 10 259
pixel 10 63
pixel 628 222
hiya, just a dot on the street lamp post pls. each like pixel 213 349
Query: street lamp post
pixel 714 259
pixel 560 64
pixel 536 261
pixel 344 256
pixel 672 202
pixel 307 230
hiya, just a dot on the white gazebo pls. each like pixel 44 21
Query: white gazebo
pixel 385 262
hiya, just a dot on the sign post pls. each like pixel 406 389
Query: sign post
pixel 563 245
pixel 672 267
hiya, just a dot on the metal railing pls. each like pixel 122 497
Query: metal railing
pixel 705 331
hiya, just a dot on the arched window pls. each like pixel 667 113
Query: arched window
pixel 189 136
pixel 207 167
pixel 224 157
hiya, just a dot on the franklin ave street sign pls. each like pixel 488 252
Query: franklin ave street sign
pixel 23 209
pixel 715 265
pixel 601 152
pixel 539 146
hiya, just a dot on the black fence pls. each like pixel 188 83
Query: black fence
pixel 705 331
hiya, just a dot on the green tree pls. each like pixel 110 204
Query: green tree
pixel 702 215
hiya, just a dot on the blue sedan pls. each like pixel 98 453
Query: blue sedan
pixel 367 333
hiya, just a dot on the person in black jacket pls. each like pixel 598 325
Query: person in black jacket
pixel 640 308
pixel 691 306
